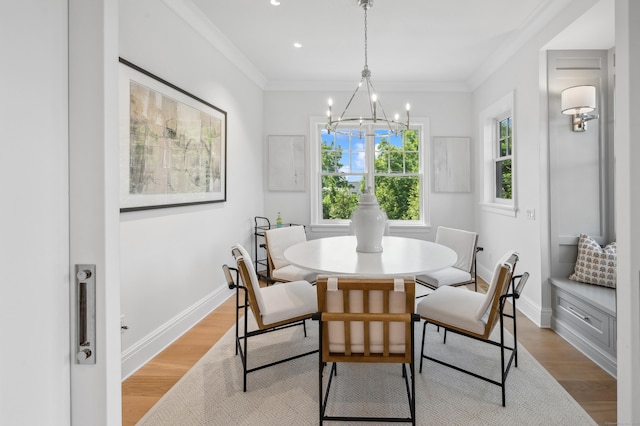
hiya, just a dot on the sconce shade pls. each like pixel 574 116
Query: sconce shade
pixel 578 100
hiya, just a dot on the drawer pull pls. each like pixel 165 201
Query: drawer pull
pixel 578 314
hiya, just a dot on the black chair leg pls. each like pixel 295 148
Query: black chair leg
pixel 515 327
pixel 245 353
pixel 502 372
pixel 424 331
pixel 244 366
pixel 321 366
pixel 237 317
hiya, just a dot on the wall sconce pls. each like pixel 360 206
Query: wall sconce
pixel 578 101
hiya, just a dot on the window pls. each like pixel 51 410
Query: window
pixel 348 163
pixel 498 142
pixel 502 160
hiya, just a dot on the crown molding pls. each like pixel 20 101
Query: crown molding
pixel 194 17
pixel 538 19
pixel 383 86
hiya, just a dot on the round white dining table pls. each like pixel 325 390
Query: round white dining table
pixel 399 256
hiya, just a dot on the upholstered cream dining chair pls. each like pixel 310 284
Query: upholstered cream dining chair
pixel 463 272
pixel 475 315
pixel 277 240
pixel 273 308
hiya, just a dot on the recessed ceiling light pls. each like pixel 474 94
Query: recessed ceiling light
pixel 275 2
pixel 296 44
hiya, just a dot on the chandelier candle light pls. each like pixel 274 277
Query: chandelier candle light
pixel 394 126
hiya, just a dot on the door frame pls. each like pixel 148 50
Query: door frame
pixel 94 236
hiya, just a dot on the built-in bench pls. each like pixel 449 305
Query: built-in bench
pixel 585 316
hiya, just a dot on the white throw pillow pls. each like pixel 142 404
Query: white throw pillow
pixel 595 264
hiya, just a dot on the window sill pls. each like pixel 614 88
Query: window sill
pixel 395 229
pixel 330 228
pixel 501 209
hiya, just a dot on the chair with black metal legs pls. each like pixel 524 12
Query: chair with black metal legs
pixel 277 241
pixel 366 320
pixel 273 307
pixel 463 272
pixel 475 315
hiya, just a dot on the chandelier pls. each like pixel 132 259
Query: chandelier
pixel 376 111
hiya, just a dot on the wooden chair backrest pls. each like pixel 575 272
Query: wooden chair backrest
pixel 366 319
pixel 250 281
pixel 502 287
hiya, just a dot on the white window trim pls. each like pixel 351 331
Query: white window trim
pixel 496 157
pixel 488 131
pixel 319 225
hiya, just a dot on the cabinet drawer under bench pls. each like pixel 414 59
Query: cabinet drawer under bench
pixel 585 315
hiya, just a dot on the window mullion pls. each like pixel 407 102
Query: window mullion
pixel 370 159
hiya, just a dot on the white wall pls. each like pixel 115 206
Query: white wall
pixel 171 259
pixel 288 113
pixel 524 73
pixel 34 217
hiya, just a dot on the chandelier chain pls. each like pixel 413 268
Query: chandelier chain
pixel 366 66
pixel 378 114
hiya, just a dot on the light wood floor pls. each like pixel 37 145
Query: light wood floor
pixel 592 387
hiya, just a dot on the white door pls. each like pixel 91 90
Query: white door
pixel 93 203
pixel 34 255
pixel 55 54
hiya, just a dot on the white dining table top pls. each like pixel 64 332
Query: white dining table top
pixel 400 256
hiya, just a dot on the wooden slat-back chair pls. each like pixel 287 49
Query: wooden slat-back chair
pixel 366 320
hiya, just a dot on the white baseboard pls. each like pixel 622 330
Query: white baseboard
pixel 540 317
pixel 152 344
pixel 485 273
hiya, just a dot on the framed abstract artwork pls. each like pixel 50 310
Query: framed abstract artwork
pixel 172 144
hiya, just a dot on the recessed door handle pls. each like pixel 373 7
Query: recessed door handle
pixel 83 274
pixel 85 314
pixel 83 355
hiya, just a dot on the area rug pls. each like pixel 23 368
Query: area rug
pixel 287 394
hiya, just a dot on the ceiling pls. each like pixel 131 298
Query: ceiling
pixel 412 44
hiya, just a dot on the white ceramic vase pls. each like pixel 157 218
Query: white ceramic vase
pixel 369 223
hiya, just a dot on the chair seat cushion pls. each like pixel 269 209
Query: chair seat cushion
pixel 445 276
pixel 293 273
pixel 455 306
pixel 286 301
